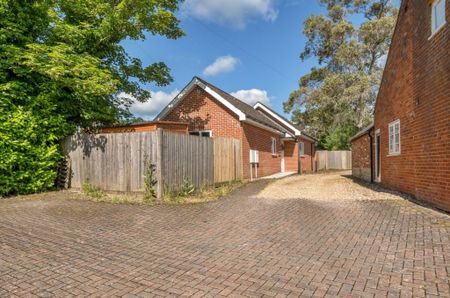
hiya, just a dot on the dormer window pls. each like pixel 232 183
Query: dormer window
pixel 437 15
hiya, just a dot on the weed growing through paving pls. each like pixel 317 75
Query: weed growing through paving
pixel 187 188
pixel 149 181
pixel 92 191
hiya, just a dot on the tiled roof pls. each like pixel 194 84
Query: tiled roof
pixel 290 122
pixel 362 132
pixel 248 110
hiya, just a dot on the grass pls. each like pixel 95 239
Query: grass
pixel 94 193
pixel 202 195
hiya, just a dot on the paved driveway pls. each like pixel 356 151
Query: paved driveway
pixel 267 239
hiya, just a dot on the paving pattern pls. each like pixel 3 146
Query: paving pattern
pixel 243 245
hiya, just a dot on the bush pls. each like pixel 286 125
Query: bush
pixel 29 150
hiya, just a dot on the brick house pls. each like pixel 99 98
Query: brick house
pixel 212 112
pixel 408 146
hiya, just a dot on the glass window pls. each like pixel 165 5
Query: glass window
pixel 301 149
pixel 437 15
pixel 274 146
pixel 201 133
pixel 394 137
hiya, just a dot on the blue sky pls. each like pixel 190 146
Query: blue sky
pixel 249 48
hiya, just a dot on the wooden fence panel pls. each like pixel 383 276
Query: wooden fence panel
pixel 334 160
pixel 113 162
pixel 227 160
pixel 116 161
pixel 186 157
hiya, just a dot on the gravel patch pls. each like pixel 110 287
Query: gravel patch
pixel 331 186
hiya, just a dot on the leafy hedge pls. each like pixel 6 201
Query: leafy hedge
pixel 29 150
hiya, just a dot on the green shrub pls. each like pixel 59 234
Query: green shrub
pixel 29 149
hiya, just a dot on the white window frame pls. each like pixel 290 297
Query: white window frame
pixel 274 146
pixel 394 130
pixel 200 132
pixel 434 6
pixel 301 149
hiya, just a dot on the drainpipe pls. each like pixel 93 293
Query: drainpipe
pixel 371 156
pixel 299 159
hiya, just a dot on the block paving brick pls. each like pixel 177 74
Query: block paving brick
pixel 242 245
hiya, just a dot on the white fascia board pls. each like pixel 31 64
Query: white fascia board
pixel 288 139
pixel 261 106
pixel 226 103
pixel 307 138
pixel 262 126
pixel 177 99
pixel 189 87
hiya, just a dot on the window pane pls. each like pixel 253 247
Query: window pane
pixel 206 133
pixel 194 133
pixel 439 10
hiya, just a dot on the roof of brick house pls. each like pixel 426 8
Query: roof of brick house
pixel 242 109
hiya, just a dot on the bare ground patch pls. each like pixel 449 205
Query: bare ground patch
pixel 330 186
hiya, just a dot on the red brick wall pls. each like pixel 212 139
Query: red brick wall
pixel 203 112
pixel 308 159
pixel 415 89
pixel 361 157
pixel 291 156
pixel 175 127
pixel 256 138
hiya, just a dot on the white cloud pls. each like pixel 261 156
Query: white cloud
pixel 234 13
pixel 252 96
pixel 221 65
pixel 148 110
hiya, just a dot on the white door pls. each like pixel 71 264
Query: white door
pixel 282 160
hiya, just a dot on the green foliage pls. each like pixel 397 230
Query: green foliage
pixel 62 65
pixel 149 181
pixel 338 139
pixel 338 97
pixel 92 191
pixel 187 188
pixel 29 154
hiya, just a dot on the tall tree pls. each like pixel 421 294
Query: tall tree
pixel 336 98
pixel 62 65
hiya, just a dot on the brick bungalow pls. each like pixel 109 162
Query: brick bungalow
pixel 408 146
pixel 212 112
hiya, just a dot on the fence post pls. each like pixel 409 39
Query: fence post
pixel 159 165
